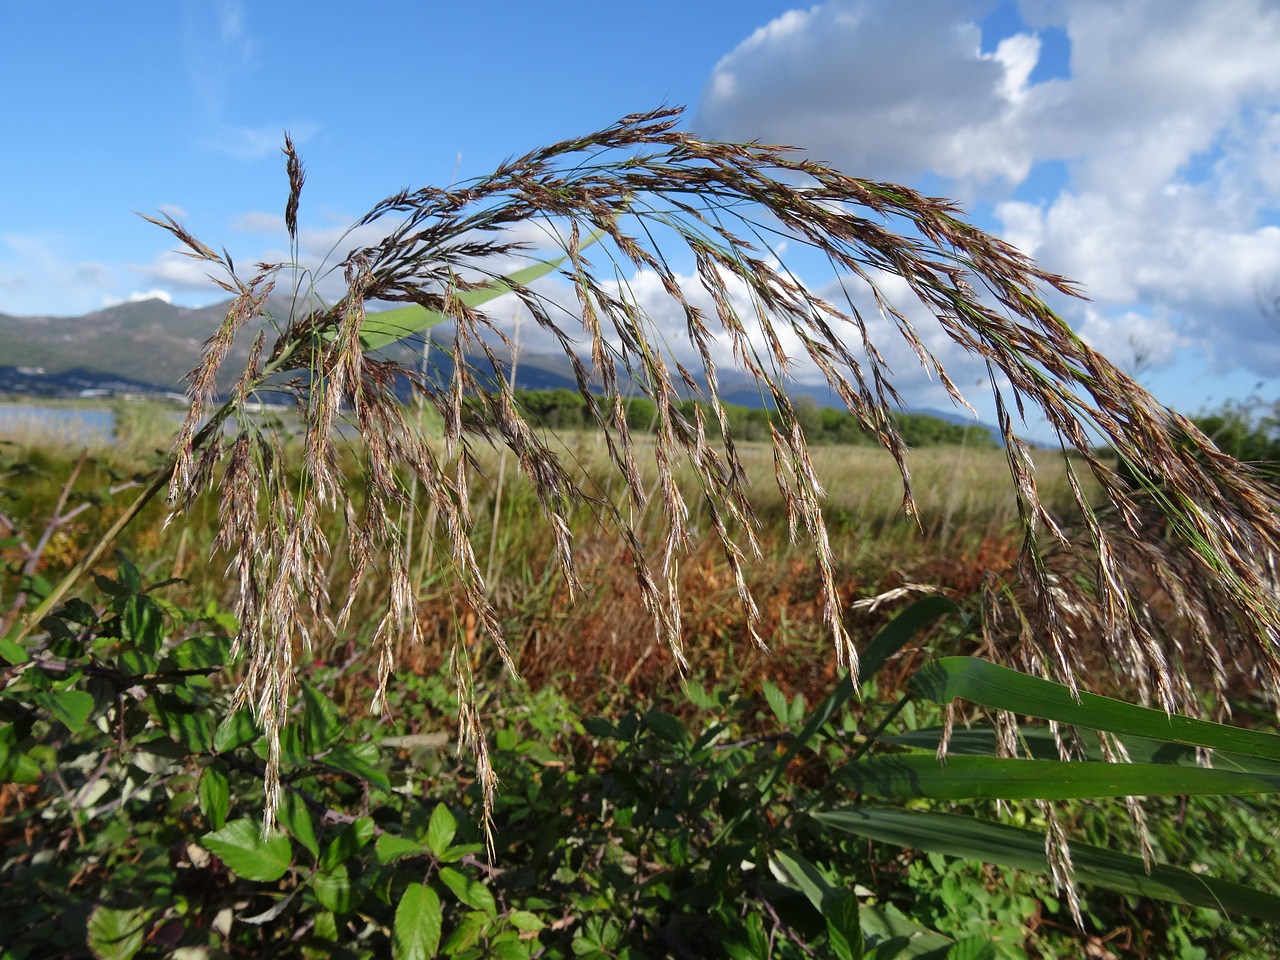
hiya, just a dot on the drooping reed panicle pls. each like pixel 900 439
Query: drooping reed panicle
pixel 647 190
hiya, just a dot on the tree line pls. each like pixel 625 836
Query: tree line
pixel 564 409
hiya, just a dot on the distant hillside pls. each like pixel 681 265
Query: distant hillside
pixel 151 345
pixel 149 342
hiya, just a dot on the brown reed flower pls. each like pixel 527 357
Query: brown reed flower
pixel 646 190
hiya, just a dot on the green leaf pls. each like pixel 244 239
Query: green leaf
pixel 190 726
pixel 471 892
pixel 667 726
pixel 142 624
pixel 388 326
pixel 321 726
pixel 201 653
pixel 975 839
pixel 333 889
pixel 296 820
pixel 972 948
pixel 72 707
pixel 994 778
pixel 349 842
pixel 1040 743
pixel 891 638
pixel 214 794
pixel 235 731
pixel 12 653
pixel 116 934
pixel 839 908
pixel 416 933
pixel 241 846
pixel 895 934
pixel 361 760
pixel 526 921
pixel 15 765
pixel 1000 688
pixel 441 830
pixel 798 873
pixel 389 848
pixel 843 928
pixel 777 701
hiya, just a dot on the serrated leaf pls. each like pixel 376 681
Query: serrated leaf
pixel 142 624
pixel 388 848
pixel 524 920
pixel 201 652
pixel 843 928
pixel 72 707
pixel 416 932
pixel 295 818
pixel 777 701
pixel 361 760
pixel 320 724
pixel 666 726
pixel 15 765
pixel 471 892
pixel 214 794
pixel 349 842
pixel 972 948
pixel 235 731
pixel 241 846
pixel 333 889
pixel 441 830
pixel 116 934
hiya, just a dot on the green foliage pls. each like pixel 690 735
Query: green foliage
pixel 1248 431
pixel 733 832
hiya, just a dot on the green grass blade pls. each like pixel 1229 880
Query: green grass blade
pixel 1040 744
pixel 388 326
pixel 1000 688
pixel 888 641
pixel 994 778
pixel 974 839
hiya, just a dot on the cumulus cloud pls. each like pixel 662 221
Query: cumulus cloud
pixel 1160 137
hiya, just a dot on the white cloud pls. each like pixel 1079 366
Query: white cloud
pixel 257 142
pixel 33 264
pixel 1167 127
pixel 174 269
pixel 883 90
pixel 139 297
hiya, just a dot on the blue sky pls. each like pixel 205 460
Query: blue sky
pixel 1132 146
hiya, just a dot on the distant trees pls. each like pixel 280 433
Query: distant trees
pixel 567 410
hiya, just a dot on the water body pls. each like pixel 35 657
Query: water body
pixel 76 426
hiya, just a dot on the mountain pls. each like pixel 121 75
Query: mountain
pixel 150 346
pixel 148 343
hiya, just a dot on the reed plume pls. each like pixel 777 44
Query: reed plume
pixel 638 196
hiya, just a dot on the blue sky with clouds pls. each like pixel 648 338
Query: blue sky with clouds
pixel 1133 146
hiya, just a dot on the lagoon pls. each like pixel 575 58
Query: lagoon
pixel 72 425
